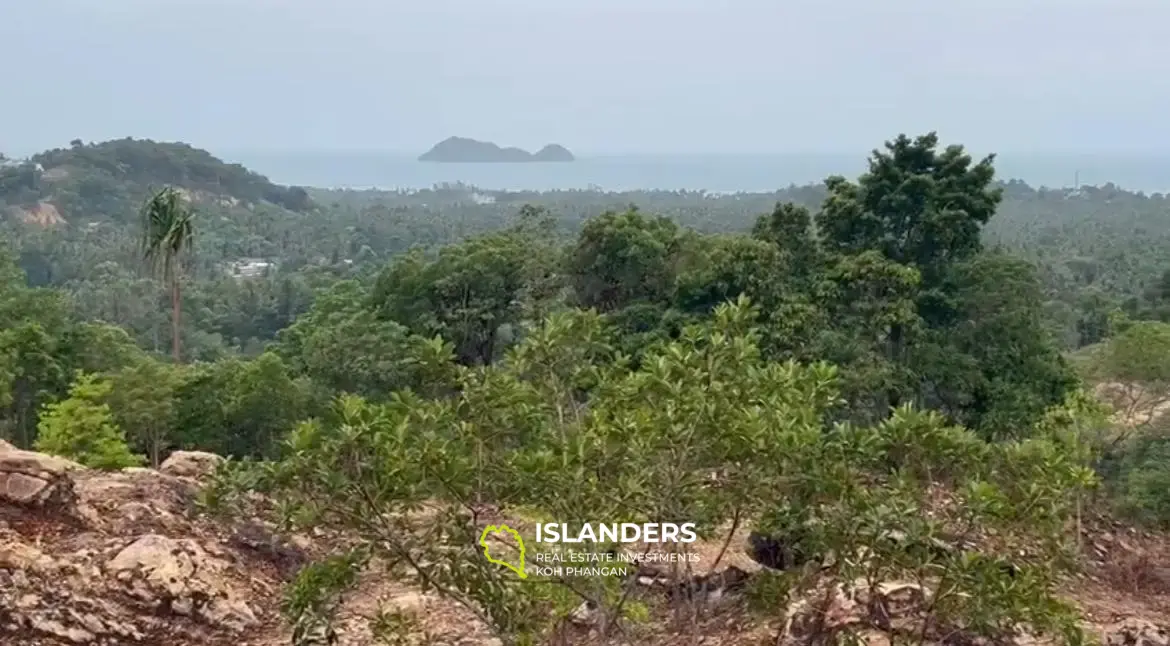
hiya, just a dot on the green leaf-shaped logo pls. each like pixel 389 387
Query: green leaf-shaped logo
pixel 518 568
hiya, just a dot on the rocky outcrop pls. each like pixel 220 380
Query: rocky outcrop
pixel 33 479
pixel 180 577
pixel 110 558
pixel 42 214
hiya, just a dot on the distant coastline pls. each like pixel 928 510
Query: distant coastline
pixel 461 150
pixel 715 172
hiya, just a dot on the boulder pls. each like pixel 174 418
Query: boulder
pixel 31 479
pixel 190 464
pixel 178 576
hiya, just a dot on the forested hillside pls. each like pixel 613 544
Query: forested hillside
pixel 1097 249
pixel 829 367
pixel 109 179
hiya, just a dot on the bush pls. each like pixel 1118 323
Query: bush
pixel 82 429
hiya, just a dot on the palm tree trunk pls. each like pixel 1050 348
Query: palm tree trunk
pixel 175 313
pixel 155 448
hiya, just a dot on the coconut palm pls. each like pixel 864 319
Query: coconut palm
pixel 167 233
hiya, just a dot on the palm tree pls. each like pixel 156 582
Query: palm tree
pixel 167 233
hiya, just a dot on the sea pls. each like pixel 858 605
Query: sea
pixel 1149 173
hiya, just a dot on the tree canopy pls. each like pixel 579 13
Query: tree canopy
pixel 911 353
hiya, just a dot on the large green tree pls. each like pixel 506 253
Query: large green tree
pixel 992 364
pixel 239 408
pixel 924 209
pixel 344 346
pixel 623 258
pixel 41 346
pixel 468 293
pixel 916 205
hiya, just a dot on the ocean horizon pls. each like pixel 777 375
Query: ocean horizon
pixel 1148 173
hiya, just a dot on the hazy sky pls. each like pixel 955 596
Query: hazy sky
pixel 599 76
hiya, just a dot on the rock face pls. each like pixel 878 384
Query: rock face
pixel 472 151
pixel 119 558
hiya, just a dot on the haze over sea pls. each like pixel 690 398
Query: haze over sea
pixel 717 173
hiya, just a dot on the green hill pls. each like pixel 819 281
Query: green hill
pixel 109 180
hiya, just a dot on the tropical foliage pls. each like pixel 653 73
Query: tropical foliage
pixel 840 359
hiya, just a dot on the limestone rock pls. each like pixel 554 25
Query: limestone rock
pixel 190 464
pixel 178 576
pixel 30 479
pixel 108 558
pixel 19 556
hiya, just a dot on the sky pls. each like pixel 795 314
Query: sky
pixel 599 76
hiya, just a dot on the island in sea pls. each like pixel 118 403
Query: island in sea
pixel 464 150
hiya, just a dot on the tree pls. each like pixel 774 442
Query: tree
pixel 916 205
pixel 342 345
pixel 99 347
pixel 870 316
pixel 622 258
pixel 41 345
pixel 240 408
pixel 924 210
pixel 82 428
pixel 726 267
pixel 1133 370
pixel 1092 319
pixel 167 234
pixel 263 404
pixel 991 365
pixel 468 293
pixel 789 227
pixel 36 375
pixel 141 399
